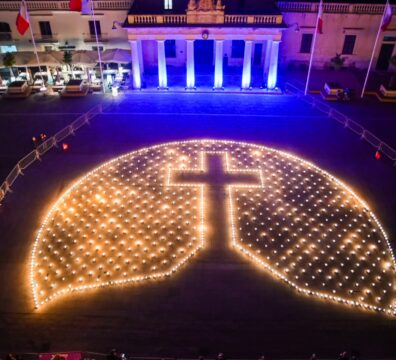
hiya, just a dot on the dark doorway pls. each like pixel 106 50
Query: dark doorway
pixel 203 55
pixel 384 56
pixel 258 51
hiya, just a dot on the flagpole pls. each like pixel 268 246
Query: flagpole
pixel 373 53
pixel 97 47
pixel 34 44
pixel 313 48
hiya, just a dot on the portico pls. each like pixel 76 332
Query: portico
pixel 270 64
pixel 205 22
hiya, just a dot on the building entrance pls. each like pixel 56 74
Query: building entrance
pixel 203 55
pixel 384 56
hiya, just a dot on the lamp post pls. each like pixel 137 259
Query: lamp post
pixel 116 25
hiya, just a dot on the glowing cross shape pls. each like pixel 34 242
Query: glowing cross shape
pixel 142 216
pixel 217 176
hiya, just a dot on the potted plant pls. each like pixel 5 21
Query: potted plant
pixel 337 61
pixel 9 61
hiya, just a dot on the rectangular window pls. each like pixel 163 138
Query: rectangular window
pixel 4 27
pixel 168 4
pixel 349 44
pixel 306 43
pixel 237 49
pixel 170 48
pixel 92 27
pixel 95 48
pixel 45 28
pixel 390 38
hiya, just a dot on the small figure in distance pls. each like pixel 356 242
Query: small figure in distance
pixel 113 355
pixel 343 356
pixel 225 61
pixel 313 357
pixel 221 356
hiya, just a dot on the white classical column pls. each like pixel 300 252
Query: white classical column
pixel 137 79
pixel 267 58
pixel 141 63
pixel 273 66
pixel 162 76
pixel 247 65
pixel 190 83
pixel 218 78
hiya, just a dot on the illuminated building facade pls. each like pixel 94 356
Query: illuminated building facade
pixel 207 32
pixel 191 37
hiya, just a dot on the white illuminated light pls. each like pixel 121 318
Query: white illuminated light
pixel 128 222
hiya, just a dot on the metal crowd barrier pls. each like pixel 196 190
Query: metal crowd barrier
pixel 51 142
pixel 347 122
pixel 88 355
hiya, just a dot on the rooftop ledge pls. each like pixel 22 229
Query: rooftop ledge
pixel 331 7
pixel 62 5
pixel 207 19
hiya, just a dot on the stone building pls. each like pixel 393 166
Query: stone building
pixel 252 37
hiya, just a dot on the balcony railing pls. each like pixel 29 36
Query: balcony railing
pixel 89 38
pixel 175 19
pixel 64 5
pixel 152 20
pixel 336 8
pixel 157 19
pixel 46 38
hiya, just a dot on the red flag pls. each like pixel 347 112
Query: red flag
pixel 22 20
pixel 75 5
pixel 320 19
pixel 387 18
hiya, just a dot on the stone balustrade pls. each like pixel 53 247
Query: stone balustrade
pixel 287 6
pixel 175 19
pixel 144 19
pixel 267 19
pixel 184 19
pixel 253 19
pixel 35 5
pixel 157 19
pixel 235 19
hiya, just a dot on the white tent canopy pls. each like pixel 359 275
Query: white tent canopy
pixel 22 58
pixel 80 57
pixel 118 56
pixel 52 58
pixel 84 58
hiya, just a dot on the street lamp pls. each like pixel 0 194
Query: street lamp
pixel 296 25
pixel 116 24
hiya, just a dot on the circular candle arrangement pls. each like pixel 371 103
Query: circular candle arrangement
pixel 131 220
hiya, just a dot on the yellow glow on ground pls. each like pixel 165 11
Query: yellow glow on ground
pixel 129 221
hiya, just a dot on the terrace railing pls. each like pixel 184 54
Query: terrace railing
pixel 43 148
pixel 64 5
pixel 347 122
pixel 304 7
pixel 252 19
pixel 183 19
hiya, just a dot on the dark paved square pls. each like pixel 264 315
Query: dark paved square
pixel 232 308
